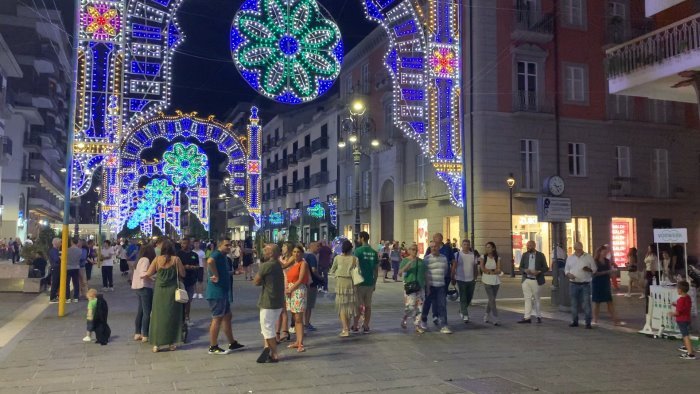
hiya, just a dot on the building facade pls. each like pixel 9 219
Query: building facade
pixel 300 173
pixel 36 119
pixel 540 109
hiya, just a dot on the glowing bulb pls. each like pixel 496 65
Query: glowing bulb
pixel 352 138
pixel 341 143
pixel 375 142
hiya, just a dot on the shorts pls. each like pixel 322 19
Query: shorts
pixel 200 274
pixel 311 295
pixel 190 291
pixel 364 295
pixel 220 307
pixel 268 321
pixel 684 328
pixel 90 326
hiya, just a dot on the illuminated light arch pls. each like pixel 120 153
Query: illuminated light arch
pixel 423 59
pixel 287 50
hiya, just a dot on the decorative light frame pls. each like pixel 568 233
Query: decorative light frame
pixel 287 50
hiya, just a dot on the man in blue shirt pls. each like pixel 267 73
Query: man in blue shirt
pixel 446 251
pixel 220 296
pixel 312 292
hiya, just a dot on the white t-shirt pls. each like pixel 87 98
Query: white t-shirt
pixel 108 256
pixel 465 266
pixel 490 279
pixel 202 257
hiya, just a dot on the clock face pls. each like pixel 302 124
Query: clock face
pixel 556 185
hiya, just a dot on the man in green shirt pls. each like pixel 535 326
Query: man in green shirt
pixel 271 278
pixel 220 297
pixel 369 267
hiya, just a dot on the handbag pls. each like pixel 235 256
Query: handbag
pixel 356 275
pixel 413 286
pixel 180 294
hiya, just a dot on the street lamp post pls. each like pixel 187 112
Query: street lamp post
pixel 356 131
pixel 511 183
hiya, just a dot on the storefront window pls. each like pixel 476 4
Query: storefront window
pixel 420 235
pixel 623 234
pixel 578 231
pixel 348 231
pixel 450 228
pixel 527 228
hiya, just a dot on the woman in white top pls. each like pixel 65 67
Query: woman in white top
pixel 464 273
pixel 491 269
pixel 144 289
pixel 651 262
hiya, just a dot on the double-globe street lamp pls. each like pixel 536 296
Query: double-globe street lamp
pixel 357 130
pixel 510 181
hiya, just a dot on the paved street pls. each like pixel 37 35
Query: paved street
pixel 550 357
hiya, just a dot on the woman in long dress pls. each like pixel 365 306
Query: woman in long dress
pixel 166 315
pixel 601 291
pixel 345 298
pixel 296 283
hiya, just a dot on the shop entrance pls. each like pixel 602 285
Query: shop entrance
pixel 387 210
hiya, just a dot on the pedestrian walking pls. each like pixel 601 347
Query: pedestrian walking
pixel 436 287
pixel 345 297
pixel 271 277
pixel 369 268
pixel 533 265
pixel 285 261
pixel 385 260
pixel 91 259
pixel 580 268
pixel 414 274
pixel 55 263
pixel 490 265
pixel 395 257
pixel 447 252
pixel 143 285
pixel 220 296
pixel 201 283
pixel 601 291
pixel 634 272
pixel 190 260
pixel 166 315
pixel 295 294
pixel 107 266
pixel 325 254
pixel 314 283
pixel 122 258
pixel 75 252
pixel 82 274
pixel 15 249
pixel 464 273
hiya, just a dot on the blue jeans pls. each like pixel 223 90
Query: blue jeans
pixel 580 295
pixel 395 268
pixel 437 299
pixel 143 316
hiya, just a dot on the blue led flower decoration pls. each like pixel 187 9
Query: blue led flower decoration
pixel 287 50
pixel 185 164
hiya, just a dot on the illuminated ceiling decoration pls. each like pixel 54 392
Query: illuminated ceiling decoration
pixel 185 164
pixel 288 50
pixel 316 210
pixel 424 58
pixel 124 81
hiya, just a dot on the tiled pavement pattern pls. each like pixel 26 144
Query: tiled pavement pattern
pixel 480 358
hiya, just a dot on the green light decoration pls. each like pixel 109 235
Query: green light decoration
pixel 316 211
pixel 157 192
pixel 287 50
pixel 276 218
pixel 185 164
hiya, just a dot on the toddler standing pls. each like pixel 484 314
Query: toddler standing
pixel 682 314
pixel 92 304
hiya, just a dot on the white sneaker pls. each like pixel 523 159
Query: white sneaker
pixel 201 296
pixel 628 295
pixel 87 339
pixel 486 319
pixel 105 289
pixel 75 300
pixel 445 330
pixel 67 300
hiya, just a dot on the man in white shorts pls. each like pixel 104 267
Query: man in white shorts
pixel 271 278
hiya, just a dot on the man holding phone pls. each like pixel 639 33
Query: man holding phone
pixel 579 269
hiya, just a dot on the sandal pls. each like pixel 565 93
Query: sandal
pixel 172 348
pixel 287 337
pixel 155 349
pixel 144 339
pixel 293 346
pixel 137 337
pixel 344 334
pixel 301 349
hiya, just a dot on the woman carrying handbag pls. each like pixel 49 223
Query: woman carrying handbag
pixel 345 268
pixel 167 313
pixel 413 271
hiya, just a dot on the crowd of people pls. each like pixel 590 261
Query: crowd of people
pixel 167 276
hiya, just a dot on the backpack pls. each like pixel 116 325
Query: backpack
pixel 102 330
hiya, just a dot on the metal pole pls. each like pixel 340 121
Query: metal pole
pixel 512 254
pixel 99 231
pixel 69 164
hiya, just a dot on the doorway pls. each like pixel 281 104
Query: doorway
pixel 386 204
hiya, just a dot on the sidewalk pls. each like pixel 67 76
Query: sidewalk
pixel 547 357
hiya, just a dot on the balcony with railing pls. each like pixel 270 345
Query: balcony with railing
pixel 320 144
pixel 415 193
pixel 531 101
pixel 303 154
pixel 292 160
pixel 319 178
pixel 659 65
pixel 531 24
pixel 636 191
pixel 43 202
